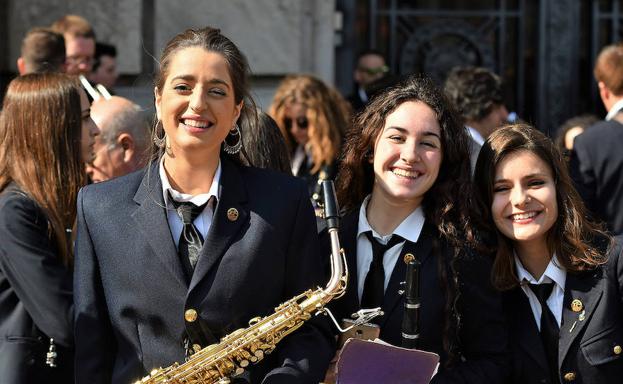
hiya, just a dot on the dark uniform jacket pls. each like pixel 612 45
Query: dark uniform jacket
pixel 133 302
pixel 35 295
pixel 482 339
pixel 597 171
pixel 590 346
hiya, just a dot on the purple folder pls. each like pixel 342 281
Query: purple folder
pixel 363 362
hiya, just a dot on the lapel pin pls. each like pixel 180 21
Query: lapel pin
pixel 576 305
pixel 232 214
pixel 582 316
pixel 409 258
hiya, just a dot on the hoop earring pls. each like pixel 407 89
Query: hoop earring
pixel 160 142
pixel 235 134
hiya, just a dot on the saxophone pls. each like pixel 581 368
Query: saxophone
pixel 216 363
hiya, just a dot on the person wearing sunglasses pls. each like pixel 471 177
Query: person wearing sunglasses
pixel 312 117
pixel 371 67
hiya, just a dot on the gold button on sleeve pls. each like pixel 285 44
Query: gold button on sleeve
pixel 190 315
pixel 617 349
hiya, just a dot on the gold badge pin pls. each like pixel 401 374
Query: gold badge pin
pixel 576 305
pixel 232 214
pixel 409 258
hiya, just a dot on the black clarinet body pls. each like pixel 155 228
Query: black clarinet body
pixel 411 315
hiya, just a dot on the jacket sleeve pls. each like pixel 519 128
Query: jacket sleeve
pixel 483 343
pixel 583 174
pixel 305 354
pixel 32 266
pixel 95 347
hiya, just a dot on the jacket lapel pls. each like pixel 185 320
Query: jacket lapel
pixel 348 236
pixel 525 325
pixel 229 216
pixel 395 290
pixel 585 287
pixel 151 220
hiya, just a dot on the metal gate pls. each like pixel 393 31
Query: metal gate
pixel 543 49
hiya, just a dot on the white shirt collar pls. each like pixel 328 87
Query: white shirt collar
pixel 616 108
pixel 199 199
pixel 476 136
pixel 409 229
pixel 362 94
pixel 553 273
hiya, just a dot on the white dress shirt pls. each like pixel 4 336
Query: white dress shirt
pixel 476 136
pixel 409 229
pixel 299 156
pixel 553 273
pixel 616 108
pixel 204 220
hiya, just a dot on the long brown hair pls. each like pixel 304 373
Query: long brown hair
pixel 211 40
pixel 447 204
pixel 327 112
pixel 40 134
pixel 578 242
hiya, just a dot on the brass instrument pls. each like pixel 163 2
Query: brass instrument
pixel 233 354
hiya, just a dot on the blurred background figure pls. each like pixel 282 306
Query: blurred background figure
pixel 122 146
pixel 47 135
pixel 79 43
pixel 104 66
pixel 43 50
pixel 572 128
pixel 596 160
pixel 370 68
pixel 312 118
pixel 477 94
pixel 264 145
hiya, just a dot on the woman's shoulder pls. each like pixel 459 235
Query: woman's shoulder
pixel 18 209
pixel 14 199
pixel 116 188
pixel 270 180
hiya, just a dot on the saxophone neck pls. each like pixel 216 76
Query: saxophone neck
pixel 339 271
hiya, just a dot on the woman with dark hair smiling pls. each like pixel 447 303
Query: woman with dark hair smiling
pixel 404 183
pixel 561 274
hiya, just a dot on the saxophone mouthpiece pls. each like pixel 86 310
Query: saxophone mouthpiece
pixel 331 210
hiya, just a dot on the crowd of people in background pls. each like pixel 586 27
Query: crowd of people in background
pixel 125 247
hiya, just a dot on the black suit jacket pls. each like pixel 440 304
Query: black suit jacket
pixel 482 335
pixel 586 348
pixel 35 295
pixel 130 289
pixel 597 171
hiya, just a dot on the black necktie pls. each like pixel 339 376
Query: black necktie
pixel 550 330
pixel 191 240
pixel 374 285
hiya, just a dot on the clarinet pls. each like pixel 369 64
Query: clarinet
pixel 411 315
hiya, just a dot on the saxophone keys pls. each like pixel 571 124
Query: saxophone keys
pixel 259 354
pixel 244 363
pixel 255 320
pixel 239 371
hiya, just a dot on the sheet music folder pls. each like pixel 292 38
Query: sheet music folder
pixel 367 362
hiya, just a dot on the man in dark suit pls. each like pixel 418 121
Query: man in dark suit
pixel 597 160
pixel 371 67
pixel 477 94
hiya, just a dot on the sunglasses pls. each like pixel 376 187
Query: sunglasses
pixel 301 122
pixel 374 71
